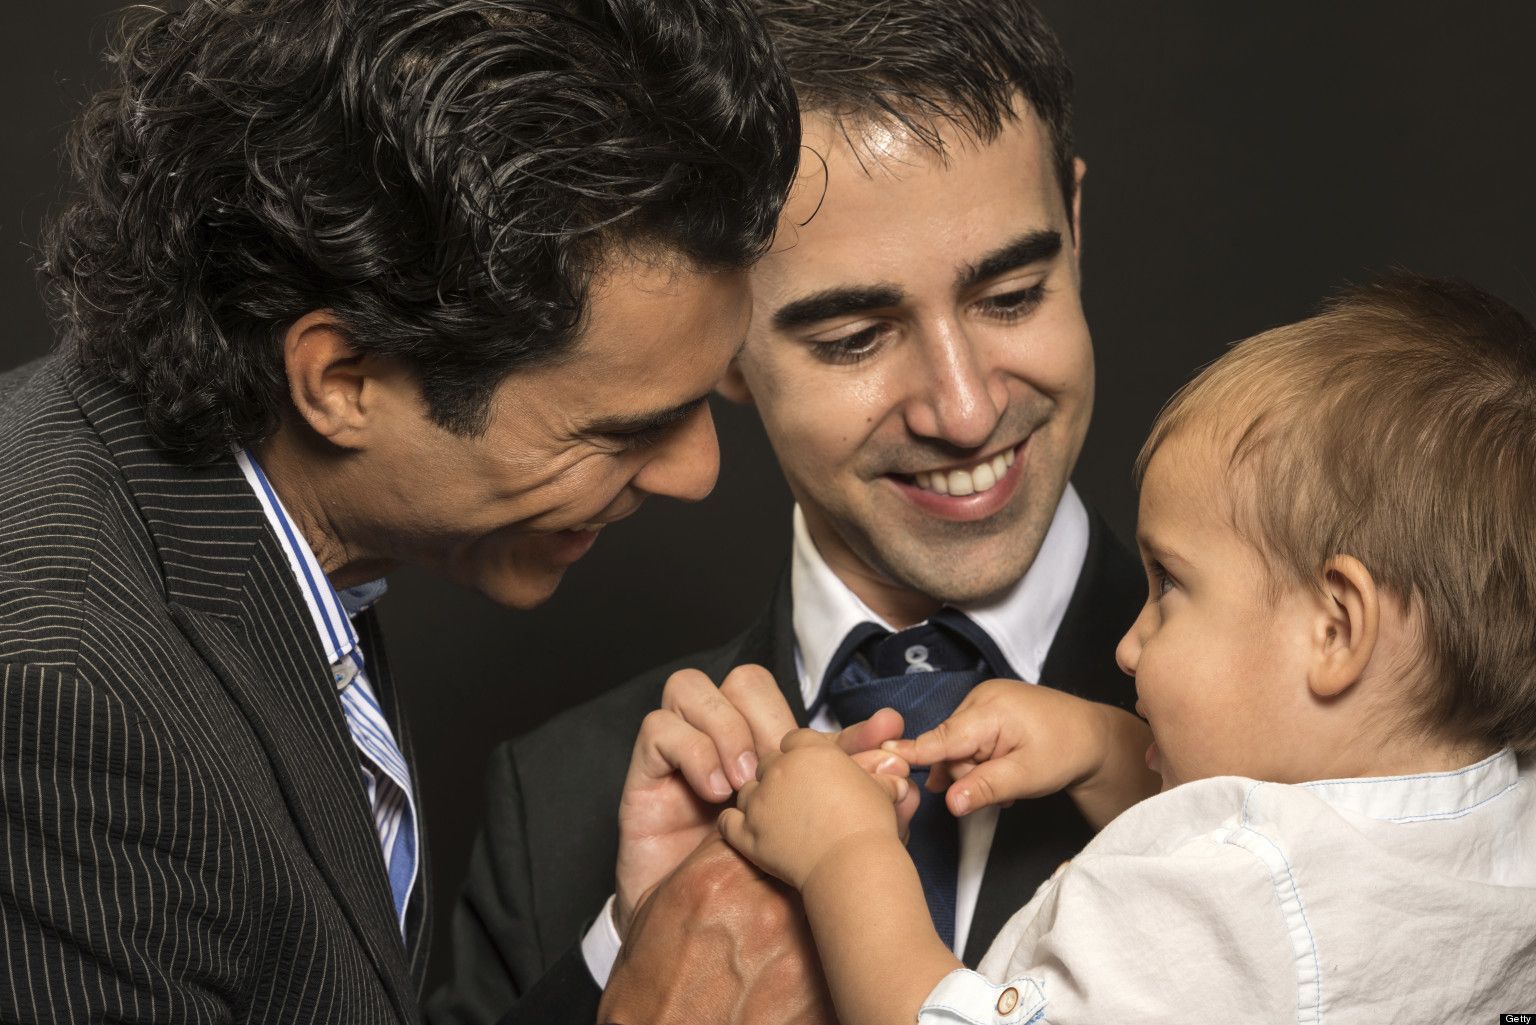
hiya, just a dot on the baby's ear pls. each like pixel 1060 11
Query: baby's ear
pixel 1347 626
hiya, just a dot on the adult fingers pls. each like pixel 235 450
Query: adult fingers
pixel 694 698
pixel 881 762
pixel 755 695
pixel 668 745
pixel 885 725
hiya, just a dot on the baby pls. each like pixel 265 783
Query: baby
pixel 1337 660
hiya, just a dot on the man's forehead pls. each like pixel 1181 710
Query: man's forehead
pixel 882 143
pixel 877 207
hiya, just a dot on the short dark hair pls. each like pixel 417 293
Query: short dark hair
pixel 444 176
pixel 1398 426
pixel 919 63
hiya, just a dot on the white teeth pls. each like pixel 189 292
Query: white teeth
pixel 979 478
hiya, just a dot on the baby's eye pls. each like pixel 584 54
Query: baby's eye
pixel 1162 583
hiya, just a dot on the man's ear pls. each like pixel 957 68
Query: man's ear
pixel 1079 172
pixel 329 381
pixel 1347 626
pixel 734 386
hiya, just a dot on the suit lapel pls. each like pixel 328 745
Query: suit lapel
pixel 232 595
pixel 770 643
pixel 1034 837
pixel 418 913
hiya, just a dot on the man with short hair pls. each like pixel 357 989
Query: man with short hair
pixel 920 359
pixel 344 285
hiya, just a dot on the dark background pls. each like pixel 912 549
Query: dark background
pixel 1244 159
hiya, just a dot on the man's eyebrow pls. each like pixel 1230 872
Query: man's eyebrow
pixel 835 302
pixel 1031 247
pixel 640 423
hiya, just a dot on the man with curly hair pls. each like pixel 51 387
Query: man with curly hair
pixel 343 285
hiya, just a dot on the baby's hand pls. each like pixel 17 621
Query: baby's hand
pixel 810 804
pixel 1010 740
pixel 879 762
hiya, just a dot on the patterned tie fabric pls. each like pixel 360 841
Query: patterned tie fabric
pixel 923 672
pixel 386 778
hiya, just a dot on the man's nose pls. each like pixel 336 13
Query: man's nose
pixel 687 464
pixel 956 396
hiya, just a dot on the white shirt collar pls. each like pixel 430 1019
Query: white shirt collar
pixel 1425 796
pixel 1022 621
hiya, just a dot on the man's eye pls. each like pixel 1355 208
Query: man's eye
pixel 631 441
pixel 1013 305
pixel 850 348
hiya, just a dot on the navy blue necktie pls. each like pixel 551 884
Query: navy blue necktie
pixel 923 672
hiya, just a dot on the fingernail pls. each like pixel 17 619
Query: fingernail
pixel 747 766
pixel 718 784
pixel 888 764
pixel 962 802
pixel 901 789
pixel 889 745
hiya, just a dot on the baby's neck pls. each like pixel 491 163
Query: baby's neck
pixel 1407 754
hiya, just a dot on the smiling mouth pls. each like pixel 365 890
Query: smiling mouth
pixel 974 479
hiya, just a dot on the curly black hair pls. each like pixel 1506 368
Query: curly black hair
pixel 444 176
pixel 921 63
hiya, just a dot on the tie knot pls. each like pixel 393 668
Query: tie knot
pixel 931 647
pixel 923 672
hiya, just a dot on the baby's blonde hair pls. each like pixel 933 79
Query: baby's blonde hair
pixel 1397 426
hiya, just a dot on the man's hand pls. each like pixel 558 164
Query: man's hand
pixel 718 943
pixel 692 755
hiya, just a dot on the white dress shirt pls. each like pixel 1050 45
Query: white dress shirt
pixel 1352 902
pixel 1022 622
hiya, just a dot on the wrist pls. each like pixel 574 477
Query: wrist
pixel 1100 739
pixel 849 859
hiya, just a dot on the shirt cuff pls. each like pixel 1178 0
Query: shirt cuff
pixel 965 998
pixel 600 946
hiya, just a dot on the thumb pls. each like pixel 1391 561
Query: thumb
pixel 999 781
pixel 884 725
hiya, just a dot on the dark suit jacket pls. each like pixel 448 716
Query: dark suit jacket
pixel 186 838
pixel 543 864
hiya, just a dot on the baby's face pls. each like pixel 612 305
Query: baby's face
pixel 1220 661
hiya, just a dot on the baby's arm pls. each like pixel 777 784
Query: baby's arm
pixel 1011 740
pixel 828 828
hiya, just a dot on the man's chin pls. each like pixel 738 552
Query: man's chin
pixel 522 591
pixel 951 573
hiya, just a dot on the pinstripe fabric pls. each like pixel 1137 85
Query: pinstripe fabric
pixel 185 836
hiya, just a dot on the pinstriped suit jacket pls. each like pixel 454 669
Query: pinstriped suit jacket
pixel 185 834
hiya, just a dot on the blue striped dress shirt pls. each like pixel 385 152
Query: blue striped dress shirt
pixel 385 776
